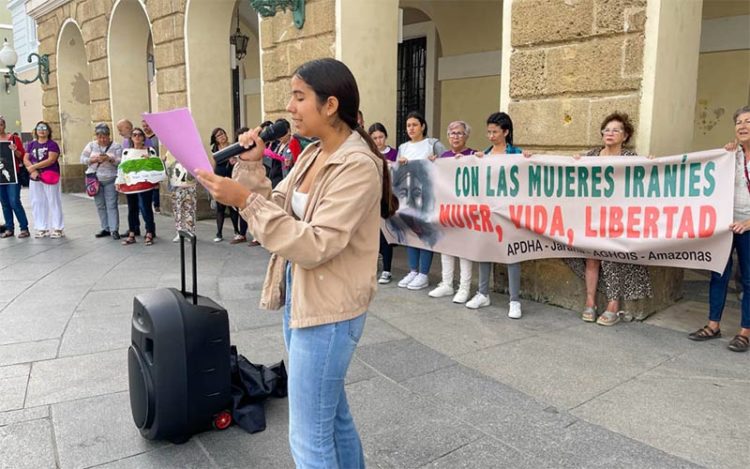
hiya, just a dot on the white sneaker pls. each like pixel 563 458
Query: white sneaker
pixel 442 290
pixel 420 281
pixel 479 301
pixel 514 310
pixel 176 238
pixel 385 277
pixel 404 282
pixel 461 296
pixel 218 239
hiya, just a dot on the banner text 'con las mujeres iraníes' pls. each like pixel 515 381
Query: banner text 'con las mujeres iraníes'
pixel 671 211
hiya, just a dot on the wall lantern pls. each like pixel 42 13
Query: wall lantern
pixel 8 57
pixel 239 41
pixel 267 8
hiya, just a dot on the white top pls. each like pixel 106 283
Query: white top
pixel 299 202
pixel 416 151
pixel 741 191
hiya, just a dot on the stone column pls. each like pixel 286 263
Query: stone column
pixel 284 48
pixel 569 64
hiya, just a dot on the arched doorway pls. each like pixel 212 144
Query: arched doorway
pixel 73 91
pixel 219 86
pixel 128 46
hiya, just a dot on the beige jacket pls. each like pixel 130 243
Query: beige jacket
pixel 334 248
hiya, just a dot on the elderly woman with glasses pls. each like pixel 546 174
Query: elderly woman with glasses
pixel 458 134
pixel 41 160
pixel 102 156
pixel 717 292
pixel 616 280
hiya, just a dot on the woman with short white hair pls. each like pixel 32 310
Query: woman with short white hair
pixel 458 134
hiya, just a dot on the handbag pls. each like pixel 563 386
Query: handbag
pixel 49 177
pixel 92 184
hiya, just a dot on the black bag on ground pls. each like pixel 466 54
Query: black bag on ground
pixel 178 361
pixel 251 385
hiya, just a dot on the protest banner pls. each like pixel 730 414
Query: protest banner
pixel 8 173
pixel 670 211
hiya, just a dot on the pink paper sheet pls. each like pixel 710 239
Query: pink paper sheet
pixel 177 131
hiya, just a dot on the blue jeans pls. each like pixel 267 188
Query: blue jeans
pixel 141 202
pixel 717 291
pixel 106 205
pixel 321 428
pixel 10 199
pixel 419 259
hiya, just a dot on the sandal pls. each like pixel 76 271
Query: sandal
pixel 41 234
pixel 705 333
pixel 608 318
pixel 148 240
pixel 56 234
pixel 253 243
pixel 740 343
pixel 589 314
pixel 130 239
pixel 24 234
pixel 6 234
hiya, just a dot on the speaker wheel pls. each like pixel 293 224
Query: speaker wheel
pixel 222 421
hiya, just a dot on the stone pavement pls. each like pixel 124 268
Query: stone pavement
pixel 432 385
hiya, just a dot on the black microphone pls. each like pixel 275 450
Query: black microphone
pixel 273 132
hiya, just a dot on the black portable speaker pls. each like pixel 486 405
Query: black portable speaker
pixel 178 361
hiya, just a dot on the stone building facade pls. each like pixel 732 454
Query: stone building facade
pixel 557 66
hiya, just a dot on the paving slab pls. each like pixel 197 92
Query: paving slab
pixel 400 360
pixel 12 288
pixel 23 415
pixel 13 390
pixel 26 352
pixel 68 378
pixel 97 430
pixel 542 433
pixel 186 456
pixel 27 445
pixel 261 346
pixel 712 435
pixel 571 368
pixel 400 429
pixel 378 331
pixel 91 334
pixel 485 452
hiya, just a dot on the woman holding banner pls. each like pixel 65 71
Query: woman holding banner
pixel 380 137
pixel 321 225
pixel 418 148
pixel 500 134
pixel 10 194
pixel 740 242
pixel 458 133
pixel 616 280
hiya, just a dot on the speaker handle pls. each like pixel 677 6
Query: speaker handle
pixel 193 240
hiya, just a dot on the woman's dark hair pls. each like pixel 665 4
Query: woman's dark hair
pixel 418 116
pixel 130 139
pixel 503 121
pixel 214 142
pixel 241 131
pixel 329 77
pixel 377 127
pixel 49 130
pixel 623 119
pixel 266 124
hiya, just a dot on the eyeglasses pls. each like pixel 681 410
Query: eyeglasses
pixel 41 128
pixel 456 134
pixel 612 131
pixel 137 134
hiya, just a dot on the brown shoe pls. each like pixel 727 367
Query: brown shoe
pixel 238 239
pixel 6 234
pixel 740 343
pixel 705 333
pixel 24 234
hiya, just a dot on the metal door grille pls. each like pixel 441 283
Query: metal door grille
pixel 412 82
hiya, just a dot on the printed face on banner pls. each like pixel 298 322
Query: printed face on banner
pixel 413 186
pixel 8 173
